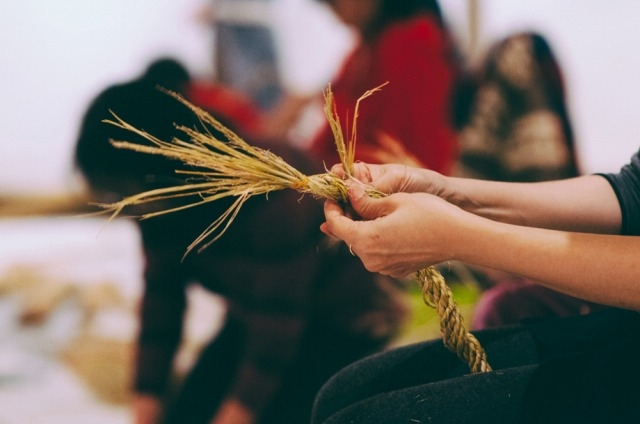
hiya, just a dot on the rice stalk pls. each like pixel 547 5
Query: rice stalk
pixel 233 168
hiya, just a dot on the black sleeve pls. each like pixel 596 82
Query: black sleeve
pixel 626 184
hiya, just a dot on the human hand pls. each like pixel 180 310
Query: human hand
pixel 146 409
pixel 388 150
pixel 398 234
pixel 233 412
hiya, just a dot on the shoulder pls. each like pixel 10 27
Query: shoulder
pixel 415 38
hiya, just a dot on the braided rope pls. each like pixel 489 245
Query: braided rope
pixel 456 338
pixel 238 169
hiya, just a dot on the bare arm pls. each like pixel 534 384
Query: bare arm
pixel 582 204
pixel 596 267
pixel 403 233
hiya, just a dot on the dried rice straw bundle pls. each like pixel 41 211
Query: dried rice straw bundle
pixel 233 168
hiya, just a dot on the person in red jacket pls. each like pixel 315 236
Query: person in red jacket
pixel 298 308
pixel 406 44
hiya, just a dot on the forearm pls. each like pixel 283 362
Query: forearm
pixel 599 268
pixel 583 204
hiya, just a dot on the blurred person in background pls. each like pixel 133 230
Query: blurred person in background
pixel 515 127
pixel 245 55
pixel 298 309
pixel 406 44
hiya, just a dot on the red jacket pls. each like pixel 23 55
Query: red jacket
pixel 414 56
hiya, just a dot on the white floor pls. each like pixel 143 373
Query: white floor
pixel 35 386
pixel 44 391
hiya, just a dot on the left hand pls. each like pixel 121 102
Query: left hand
pixel 399 234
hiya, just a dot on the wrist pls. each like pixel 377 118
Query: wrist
pixel 439 185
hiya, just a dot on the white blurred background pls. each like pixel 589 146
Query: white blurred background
pixel 56 56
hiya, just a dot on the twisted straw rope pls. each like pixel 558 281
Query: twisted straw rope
pixel 435 291
pixel 436 294
pixel 235 168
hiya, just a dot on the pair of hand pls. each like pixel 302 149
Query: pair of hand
pixel 409 229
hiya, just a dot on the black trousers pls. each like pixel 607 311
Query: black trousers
pixel 562 370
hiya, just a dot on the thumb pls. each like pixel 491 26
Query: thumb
pixel 365 206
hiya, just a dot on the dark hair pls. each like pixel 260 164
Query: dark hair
pixel 391 10
pixel 554 87
pixel 167 73
pixel 396 10
pixel 550 83
pixel 551 78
